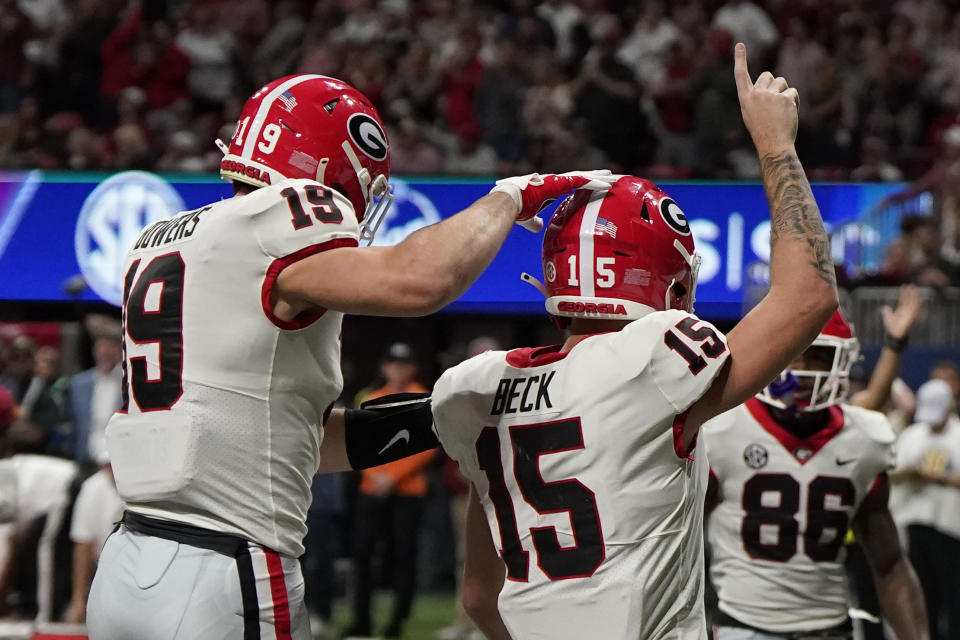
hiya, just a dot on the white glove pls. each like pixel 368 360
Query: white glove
pixel 533 192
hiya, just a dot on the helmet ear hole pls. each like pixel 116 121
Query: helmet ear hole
pixel 679 290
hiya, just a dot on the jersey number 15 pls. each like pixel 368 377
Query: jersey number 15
pixel 528 443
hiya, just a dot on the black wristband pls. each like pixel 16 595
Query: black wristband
pixel 388 428
pixel 895 344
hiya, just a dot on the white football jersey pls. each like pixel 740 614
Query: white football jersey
pixel 579 461
pixel 785 505
pixel 224 402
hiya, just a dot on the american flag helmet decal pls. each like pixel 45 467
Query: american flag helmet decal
pixel 288 100
pixel 605 226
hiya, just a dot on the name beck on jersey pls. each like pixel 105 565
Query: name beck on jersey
pixel 509 389
pixel 167 231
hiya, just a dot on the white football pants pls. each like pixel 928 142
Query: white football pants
pixel 149 588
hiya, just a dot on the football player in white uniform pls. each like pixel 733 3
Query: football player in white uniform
pixel 232 317
pixel 791 471
pixel 582 454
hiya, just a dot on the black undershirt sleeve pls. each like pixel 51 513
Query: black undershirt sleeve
pixel 389 428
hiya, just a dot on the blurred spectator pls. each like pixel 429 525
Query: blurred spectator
pixel 647 46
pixel 19 369
pixel 320 55
pixel 276 54
pixel 143 54
pixel 949 372
pixel 928 266
pixel 801 57
pixel 547 103
pixel 79 68
pixel 926 501
pixel 469 156
pixel 607 97
pixel 564 18
pixel 15 30
pixel 95 395
pixel 906 65
pixel 390 505
pixel 45 401
pixel 362 25
pixel 36 559
pixel 498 103
pixel 722 146
pixel 461 74
pixel 895 269
pixel 940 180
pixel 750 24
pixel 96 510
pixel 411 151
pixel 183 154
pixel 675 106
pixel 412 90
pixel 823 139
pixel 874 162
pixel 8 413
pixel 439 27
pixel 572 149
pixel 210 49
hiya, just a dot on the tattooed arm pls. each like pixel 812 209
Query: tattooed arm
pixel 803 288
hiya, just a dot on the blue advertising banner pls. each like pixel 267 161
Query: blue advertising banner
pixel 63 236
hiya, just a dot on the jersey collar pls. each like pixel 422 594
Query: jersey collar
pixel 535 356
pixel 802 449
pixel 538 356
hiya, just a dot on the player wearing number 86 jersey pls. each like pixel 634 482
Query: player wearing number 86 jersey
pixel 777 533
pixel 791 472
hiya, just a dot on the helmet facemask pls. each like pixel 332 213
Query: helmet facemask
pixel 827 385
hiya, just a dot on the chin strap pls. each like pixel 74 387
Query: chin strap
pixel 529 279
pixel 694 262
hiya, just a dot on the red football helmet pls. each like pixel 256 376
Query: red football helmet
pixel 311 126
pixel 618 254
pixel 839 350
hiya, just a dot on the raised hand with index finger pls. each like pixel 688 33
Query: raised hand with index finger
pixel 769 106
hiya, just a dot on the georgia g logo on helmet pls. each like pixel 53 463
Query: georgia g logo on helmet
pixel 366 134
pixel 673 215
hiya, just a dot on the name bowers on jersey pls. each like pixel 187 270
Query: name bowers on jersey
pixel 167 231
pixel 522 394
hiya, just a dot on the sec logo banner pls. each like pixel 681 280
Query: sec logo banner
pixel 110 220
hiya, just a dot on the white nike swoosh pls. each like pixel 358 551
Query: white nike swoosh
pixel 403 434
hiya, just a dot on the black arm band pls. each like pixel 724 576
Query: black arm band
pixel 388 428
pixel 895 344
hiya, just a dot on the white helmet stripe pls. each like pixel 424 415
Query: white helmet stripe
pixel 253 134
pixel 587 225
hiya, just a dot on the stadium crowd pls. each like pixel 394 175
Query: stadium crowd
pixel 485 87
